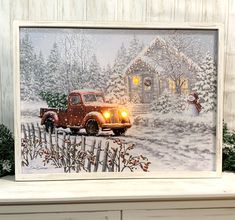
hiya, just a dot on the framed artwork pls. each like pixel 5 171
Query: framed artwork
pixel 117 100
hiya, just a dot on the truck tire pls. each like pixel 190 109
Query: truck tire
pixel 92 127
pixel 120 131
pixel 49 125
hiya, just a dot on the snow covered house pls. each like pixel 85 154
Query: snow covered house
pixel 158 67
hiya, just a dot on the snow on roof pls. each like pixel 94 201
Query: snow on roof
pixel 154 65
pixel 138 61
pixel 158 40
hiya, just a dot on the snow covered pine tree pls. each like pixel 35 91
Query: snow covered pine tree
pixel 205 85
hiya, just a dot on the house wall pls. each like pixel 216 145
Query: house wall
pixel 222 11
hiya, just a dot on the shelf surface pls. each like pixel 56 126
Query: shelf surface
pixel 116 190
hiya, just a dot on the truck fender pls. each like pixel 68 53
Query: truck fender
pixel 50 114
pixel 94 115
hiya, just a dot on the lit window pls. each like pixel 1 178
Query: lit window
pixel 136 80
pixel 172 86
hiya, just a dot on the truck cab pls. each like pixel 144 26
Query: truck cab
pixel 89 110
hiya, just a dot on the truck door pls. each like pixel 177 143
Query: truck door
pixel 76 110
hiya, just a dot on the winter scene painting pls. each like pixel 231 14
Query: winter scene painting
pixel 117 100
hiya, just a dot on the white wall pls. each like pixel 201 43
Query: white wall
pixel 222 11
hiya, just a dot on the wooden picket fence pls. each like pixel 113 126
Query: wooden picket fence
pixel 72 153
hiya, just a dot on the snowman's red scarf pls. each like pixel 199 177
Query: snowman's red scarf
pixel 197 104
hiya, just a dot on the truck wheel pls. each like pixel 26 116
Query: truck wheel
pixel 92 127
pixel 120 131
pixel 49 124
pixel 74 131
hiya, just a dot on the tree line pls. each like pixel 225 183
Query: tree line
pixel 72 64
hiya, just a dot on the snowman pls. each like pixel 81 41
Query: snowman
pixel 194 107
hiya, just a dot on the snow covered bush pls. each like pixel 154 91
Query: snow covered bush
pixel 169 103
pixel 228 150
pixel 179 103
pixel 163 103
pixel 6 151
pixel 177 123
pixel 136 98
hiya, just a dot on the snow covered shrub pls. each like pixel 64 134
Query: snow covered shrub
pixel 179 103
pixel 136 98
pixel 54 100
pixel 228 150
pixel 169 103
pixel 6 151
pixel 163 103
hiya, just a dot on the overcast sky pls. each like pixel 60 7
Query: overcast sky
pixel 106 42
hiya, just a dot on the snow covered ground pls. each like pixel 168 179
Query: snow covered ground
pixel 171 142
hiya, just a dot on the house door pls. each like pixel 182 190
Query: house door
pixel 147 89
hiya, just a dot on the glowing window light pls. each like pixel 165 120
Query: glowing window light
pixel 136 80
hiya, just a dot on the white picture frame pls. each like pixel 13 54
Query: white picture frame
pixel 29 175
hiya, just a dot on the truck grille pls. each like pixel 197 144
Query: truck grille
pixel 114 116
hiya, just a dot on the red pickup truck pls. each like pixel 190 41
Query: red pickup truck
pixel 87 109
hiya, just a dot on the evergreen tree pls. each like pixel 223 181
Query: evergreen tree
pixel 107 72
pixel 53 77
pixel 40 71
pixel 27 68
pixel 116 88
pixel 116 92
pixel 95 78
pixel 206 83
pixel 121 60
pixel 134 48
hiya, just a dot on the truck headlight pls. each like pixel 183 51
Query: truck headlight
pixel 106 114
pixel 124 114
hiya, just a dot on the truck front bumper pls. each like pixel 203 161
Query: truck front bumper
pixel 115 125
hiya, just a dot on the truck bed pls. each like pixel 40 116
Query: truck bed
pixel 58 111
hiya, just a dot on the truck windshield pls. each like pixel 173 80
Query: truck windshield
pixel 93 98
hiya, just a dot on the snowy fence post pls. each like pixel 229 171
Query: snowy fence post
pixel 29 135
pixel 39 135
pixel 83 144
pixel 91 153
pixel 30 141
pixel 106 150
pixel 68 154
pixel 73 152
pixel 50 142
pixel 25 160
pixel 97 156
pixel 24 132
pixel 112 161
pixel 33 134
pixel 45 137
pixel 34 150
pixel 57 153
pixel 63 151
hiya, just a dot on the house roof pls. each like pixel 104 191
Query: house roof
pixel 159 42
